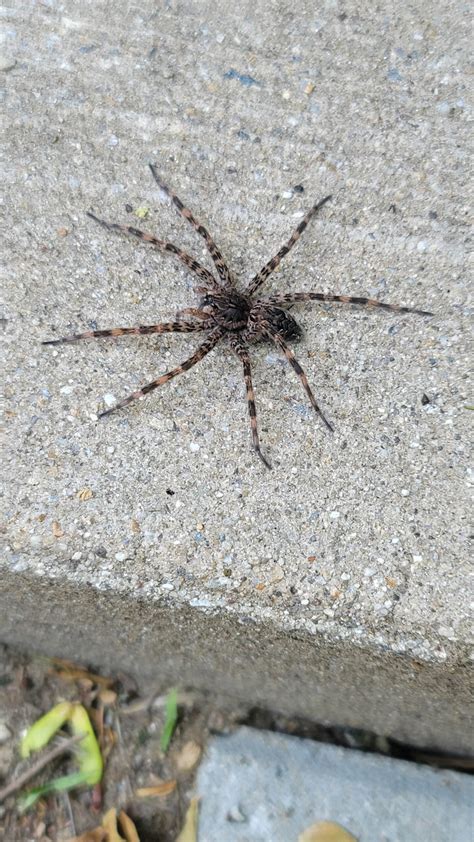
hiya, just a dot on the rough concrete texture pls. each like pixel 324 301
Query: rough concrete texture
pixel 260 786
pixel 345 565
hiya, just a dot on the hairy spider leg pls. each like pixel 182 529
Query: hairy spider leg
pixel 140 330
pixel 165 247
pixel 267 328
pixel 242 352
pixel 223 271
pixel 275 261
pixel 294 297
pixel 198 355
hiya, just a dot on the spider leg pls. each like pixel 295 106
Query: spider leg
pixel 293 297
pixel 142 330
pixel 164 247
pixel 195 313
pixel 198 355
pixel 272 264
pixel 243 355
pixel 296 366
pixel 223 271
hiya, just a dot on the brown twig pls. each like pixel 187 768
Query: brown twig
pixel 43 761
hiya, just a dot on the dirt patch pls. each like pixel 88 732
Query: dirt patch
pixel 130 727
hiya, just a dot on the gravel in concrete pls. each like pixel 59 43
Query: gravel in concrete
pixel 355 540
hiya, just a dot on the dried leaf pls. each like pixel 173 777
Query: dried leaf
pixel 96 835
pixel 70 672
pixel 188 756
pixel 108 697
pixel 326 832
pixel 309 88
pixel 128 827
pixel 85 494
pixel 160 790
pixel 62 232
pixel 190 827
pixel 142 213
pixel 135 526
pixel 109 823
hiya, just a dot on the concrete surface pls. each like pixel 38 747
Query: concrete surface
pixel 259 786
pixel 337 584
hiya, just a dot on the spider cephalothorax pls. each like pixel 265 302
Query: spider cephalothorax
pixel 226 313
pixel 228 308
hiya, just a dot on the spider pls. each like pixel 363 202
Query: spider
pixel 225 313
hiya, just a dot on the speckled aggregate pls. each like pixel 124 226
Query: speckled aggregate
pixel 359 536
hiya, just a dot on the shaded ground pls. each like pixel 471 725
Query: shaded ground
pixel 130 726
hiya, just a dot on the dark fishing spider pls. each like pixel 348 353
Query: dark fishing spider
pixel 225 312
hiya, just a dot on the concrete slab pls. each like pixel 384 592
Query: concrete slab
pixel 335 586
pixel 256 786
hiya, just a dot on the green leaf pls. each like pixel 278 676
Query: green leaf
pixel 67 782
pixel 40 733
pixel 88 752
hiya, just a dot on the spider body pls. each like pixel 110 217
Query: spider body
pixel 280 321
pixel 229 309
pixel 224 313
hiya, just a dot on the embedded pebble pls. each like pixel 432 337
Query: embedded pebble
pixel 5 733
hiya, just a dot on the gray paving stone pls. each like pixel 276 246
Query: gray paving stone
pixel 256 786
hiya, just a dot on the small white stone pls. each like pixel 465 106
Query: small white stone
pixel 77 556
pixel 120 556
pixel 109 400
pixel 7 63
pixel 447 631
pixel 404 492
pixel 287 194
pixel 111 449
pixel 194 447
pixel 168 586
pixel 235 815
pixel 334 515
pixel 417 558
pixel 5 733
pixel 66 390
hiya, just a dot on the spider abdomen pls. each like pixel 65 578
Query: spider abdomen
pixel 283 323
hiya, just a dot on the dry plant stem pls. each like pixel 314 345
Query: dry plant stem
pixel 43 761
